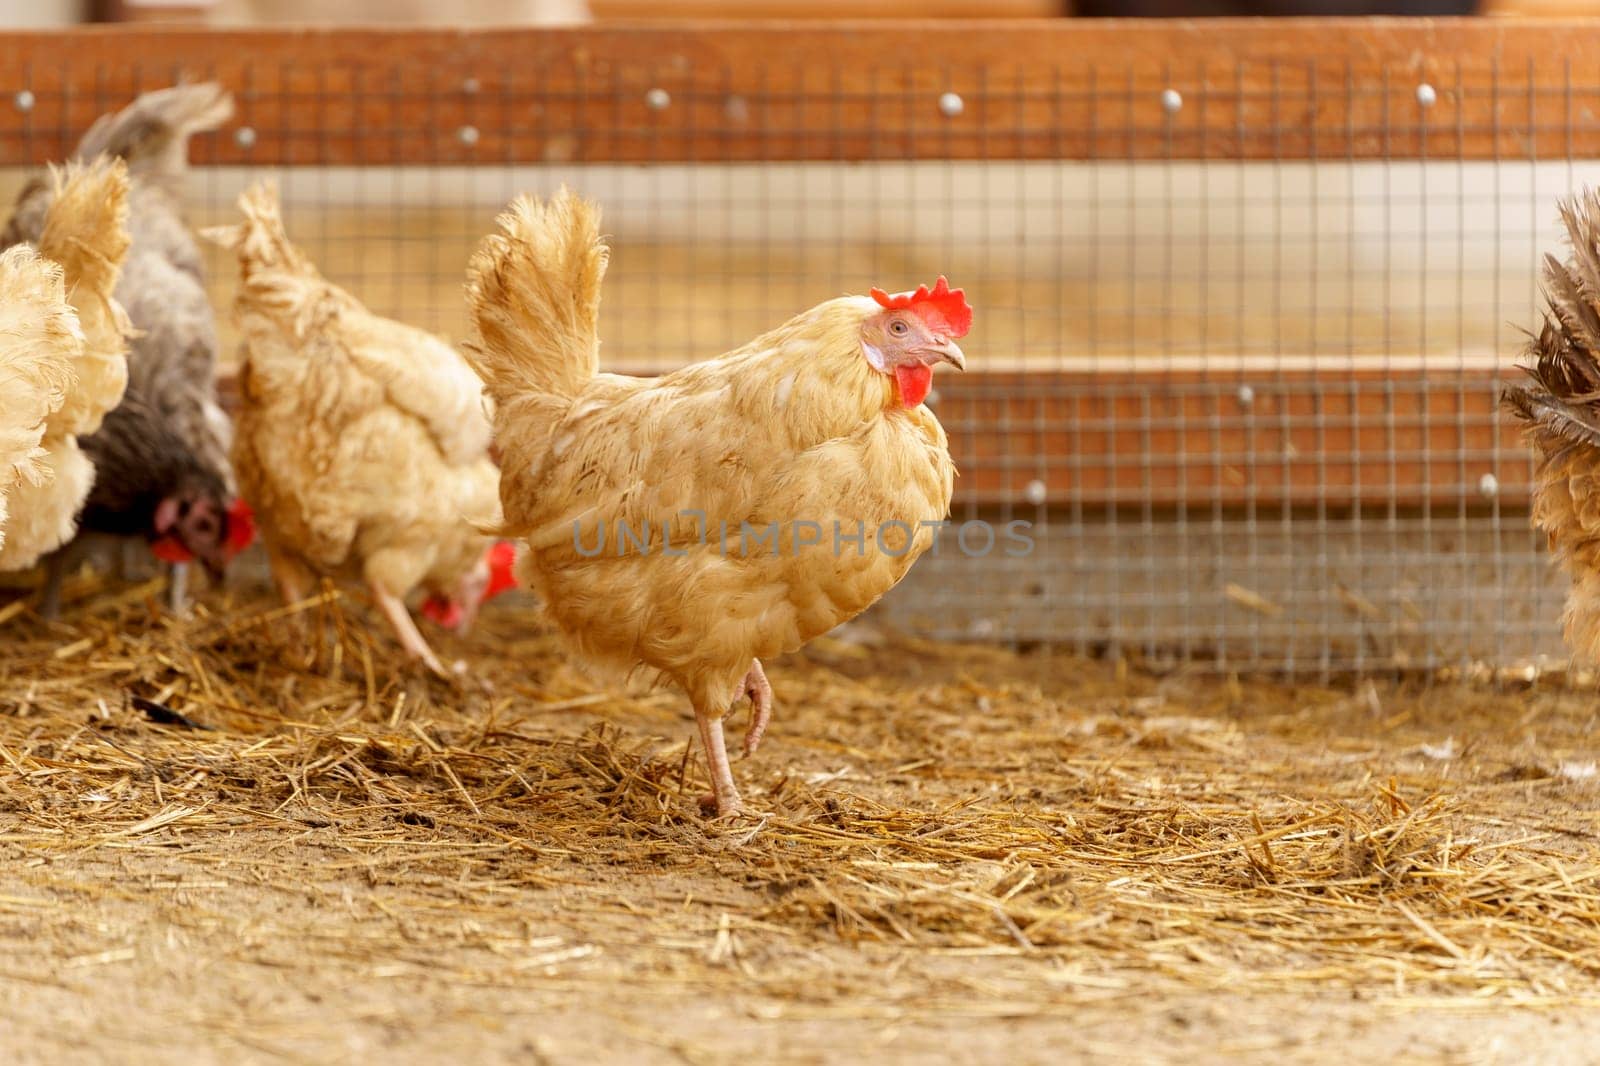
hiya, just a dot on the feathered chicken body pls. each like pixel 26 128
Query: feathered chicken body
pixel 694 523
pixel 1560 412
pixel 84 237
pixel 171 363
pixel 39 340
pixel 362 443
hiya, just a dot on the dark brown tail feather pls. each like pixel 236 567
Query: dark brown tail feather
pixel 1560 407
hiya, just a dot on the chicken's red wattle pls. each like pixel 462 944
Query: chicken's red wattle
pixel 914 380
pixel 446 612
pixel 169 549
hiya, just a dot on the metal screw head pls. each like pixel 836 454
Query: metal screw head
pixel 467 135
pixel 951 104
pixel 1247 396
pixel 1036 492
pixel 24 100
pixel 1489 486
pixel 1425 95
pixel 471 85
pixel 1171 101
pixel 658 99
pixel 244 136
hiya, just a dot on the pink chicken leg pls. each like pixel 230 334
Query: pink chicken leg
pixel 759 691
pixel 724 795
pixel 394 609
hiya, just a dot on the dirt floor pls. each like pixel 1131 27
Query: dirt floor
pixel 957 853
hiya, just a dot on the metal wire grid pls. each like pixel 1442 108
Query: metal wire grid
pixel 1196 511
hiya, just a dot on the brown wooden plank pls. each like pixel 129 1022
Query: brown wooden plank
pixel 620 10
pixel 1415 438
pixel 1052 89
pixel 1341 439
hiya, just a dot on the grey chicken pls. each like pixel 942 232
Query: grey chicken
pixel 182 499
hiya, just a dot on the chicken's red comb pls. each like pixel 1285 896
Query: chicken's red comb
pixel 241 528
pixel 502 575
pixel 942 307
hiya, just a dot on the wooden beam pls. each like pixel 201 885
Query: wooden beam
pixel 1419 438
pixel 720 92
pixel 1198 440
pixel 619 10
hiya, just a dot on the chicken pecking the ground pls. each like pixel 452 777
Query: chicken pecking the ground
pixel 362 443
pixel 184 502
pixel 1560 413
pixel 690 525
pixel 80 248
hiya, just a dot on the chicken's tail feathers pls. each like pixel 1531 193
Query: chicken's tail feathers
pixel 86 232
pixel 533 293
pixel 1560 403
pixel 153 132
pixel 261 241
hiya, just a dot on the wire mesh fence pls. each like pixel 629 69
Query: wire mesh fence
pixel 1245 297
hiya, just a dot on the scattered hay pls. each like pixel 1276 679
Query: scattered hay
pixel 1115 838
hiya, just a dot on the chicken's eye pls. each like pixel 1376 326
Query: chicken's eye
pixel 898 328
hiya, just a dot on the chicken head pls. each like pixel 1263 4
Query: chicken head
pixel 197 524
pixel 492 576
pixel 914 331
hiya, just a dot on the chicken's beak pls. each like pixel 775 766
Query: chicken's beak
pixel 944 350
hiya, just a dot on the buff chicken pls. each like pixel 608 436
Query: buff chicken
pixel 361 443
pixel 686 527
pixel 79 255
pixel 39 340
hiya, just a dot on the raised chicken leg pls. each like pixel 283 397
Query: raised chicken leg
pixel 759 691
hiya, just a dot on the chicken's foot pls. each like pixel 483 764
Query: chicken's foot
pixel 759 691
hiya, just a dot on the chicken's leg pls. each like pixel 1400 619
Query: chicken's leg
pixel 294 583
pixel 132 556
pixel 178 589
pixel 724 793
pixel 394 609
pixel 55 574
pixel 293 580
pixel 759 690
